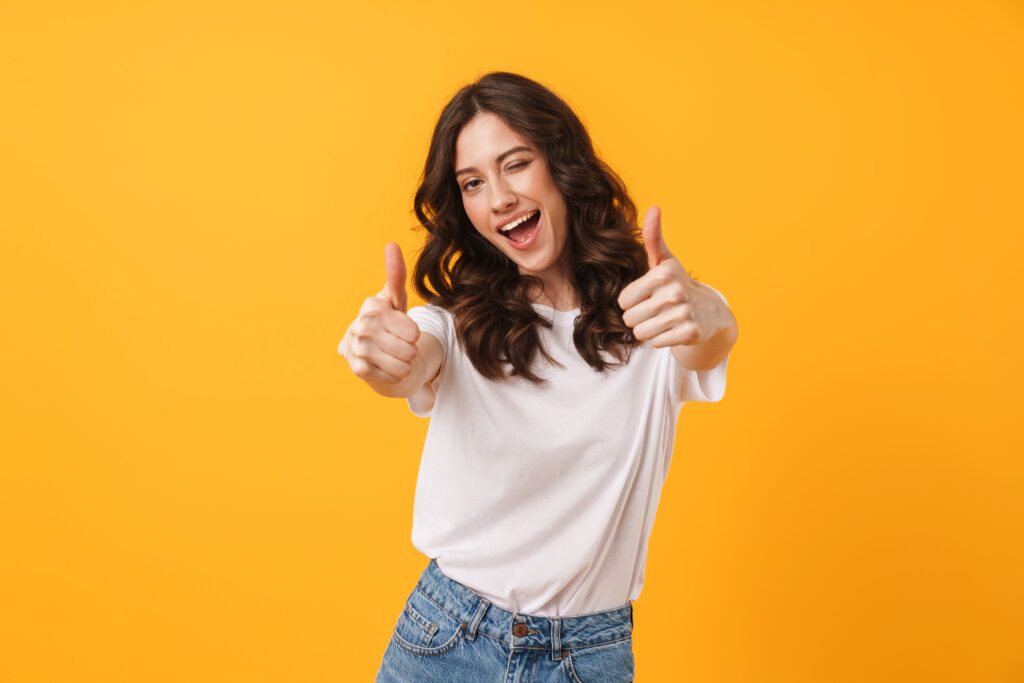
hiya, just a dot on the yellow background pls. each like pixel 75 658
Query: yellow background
pixel 194 201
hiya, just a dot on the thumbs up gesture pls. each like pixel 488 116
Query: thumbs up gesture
pixel 666 305
pixel 394 288
pixel 380 344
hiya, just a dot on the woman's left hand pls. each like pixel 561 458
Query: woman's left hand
pixel 666 305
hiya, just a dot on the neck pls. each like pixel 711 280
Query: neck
pixel 557 289
pixel 560 304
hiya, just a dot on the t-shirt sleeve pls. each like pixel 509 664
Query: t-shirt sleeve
pixel 435 321
pixel 699 385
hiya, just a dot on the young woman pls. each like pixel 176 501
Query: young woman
pixel 558 352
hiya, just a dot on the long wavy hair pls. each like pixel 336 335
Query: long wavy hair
pixel 461 271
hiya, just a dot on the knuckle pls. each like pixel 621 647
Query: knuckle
pixel 676 291
pixel 372 327
pixel 363 348
pixel 359 330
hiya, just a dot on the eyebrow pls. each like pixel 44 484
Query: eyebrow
pixel 501 157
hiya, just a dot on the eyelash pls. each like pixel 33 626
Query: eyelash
pixel 518 164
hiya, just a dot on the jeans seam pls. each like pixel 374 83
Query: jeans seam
pixel 503 642
pixel 427 596
pixel 593 645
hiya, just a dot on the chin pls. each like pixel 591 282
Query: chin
pixel 538 266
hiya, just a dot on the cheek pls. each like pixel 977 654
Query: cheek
pixel 552 196
pixel 557 211
pixel 480 223
pixel 477 215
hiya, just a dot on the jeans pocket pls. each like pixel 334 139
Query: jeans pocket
pixel 424 628
pixel 605 663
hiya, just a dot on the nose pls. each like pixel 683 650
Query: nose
pixel 503 198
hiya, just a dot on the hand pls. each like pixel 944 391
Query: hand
pixel 380 344
pixel 666 305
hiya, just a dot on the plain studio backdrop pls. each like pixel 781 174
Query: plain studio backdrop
pixel 195 199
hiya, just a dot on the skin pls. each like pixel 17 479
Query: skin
pixel 669 308
pixel 520 182
pixel 664 306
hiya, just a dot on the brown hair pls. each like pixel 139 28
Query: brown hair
pixel 478 284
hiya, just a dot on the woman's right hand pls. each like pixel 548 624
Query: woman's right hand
pixel 380 344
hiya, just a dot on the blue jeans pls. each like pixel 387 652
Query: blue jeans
pixel 450 634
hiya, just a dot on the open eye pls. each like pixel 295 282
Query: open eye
pixel 468 186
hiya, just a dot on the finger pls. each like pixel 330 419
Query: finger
pixel 379 375
pixel 684 335
pixel 663 323
pixel 384 351
pixel 368 371
pixel 642 288
pixel 654 241
pixel 394 266
pixel 646 309
pixel 388 363
pixel 400 325
pixel 397 347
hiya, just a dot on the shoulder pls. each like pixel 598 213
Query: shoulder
pixel 429 312
pixel 432 309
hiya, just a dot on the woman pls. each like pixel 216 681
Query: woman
pixel 559 351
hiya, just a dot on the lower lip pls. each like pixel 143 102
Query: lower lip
pixel 530 239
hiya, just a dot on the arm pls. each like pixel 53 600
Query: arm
pixel 669 308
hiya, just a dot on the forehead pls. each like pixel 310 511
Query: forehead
pixel 483 138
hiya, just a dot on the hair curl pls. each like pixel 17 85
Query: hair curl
pixel 461 271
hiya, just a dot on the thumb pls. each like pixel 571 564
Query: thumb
pixel 394 266
pixel 654 242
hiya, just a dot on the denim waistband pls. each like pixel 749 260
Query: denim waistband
pixel 523 631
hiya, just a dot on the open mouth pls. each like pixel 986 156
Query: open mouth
pixel 522 230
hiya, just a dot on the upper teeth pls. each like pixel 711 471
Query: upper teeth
pixel 521 219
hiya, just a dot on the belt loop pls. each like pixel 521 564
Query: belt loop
pixel 556 638
pixel 477 616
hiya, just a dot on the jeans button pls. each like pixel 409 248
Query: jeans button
pixel 519 630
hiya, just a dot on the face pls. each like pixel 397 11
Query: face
pixel 508 178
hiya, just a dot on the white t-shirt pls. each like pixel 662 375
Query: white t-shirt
pixel 542 498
